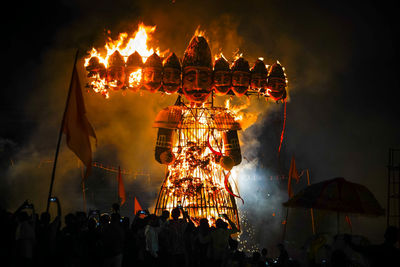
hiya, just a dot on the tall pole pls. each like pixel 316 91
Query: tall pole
pixel 284 226
pixel 311 210
pixel 388 190
pixel 60 136
pixel 83 187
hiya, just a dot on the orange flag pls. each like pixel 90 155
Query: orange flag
pixel 76 126
pixel 121 187
pixel 292 174
pixel 137 206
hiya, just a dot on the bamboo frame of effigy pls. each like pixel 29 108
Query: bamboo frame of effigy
pixel 195 180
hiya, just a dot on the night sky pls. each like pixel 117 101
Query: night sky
pixel 341 60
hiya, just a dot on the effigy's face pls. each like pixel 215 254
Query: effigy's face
pixel 258 81
pixel 276 84
pixel 116 77
pixel 240 82
pixel 171 80
pixel 277 88
pixel 222 82
pixel 152 78
pixel 196 84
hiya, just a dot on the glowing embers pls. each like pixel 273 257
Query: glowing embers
pixel 196 177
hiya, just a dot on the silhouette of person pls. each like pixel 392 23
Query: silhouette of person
pixel 177 228
pixel 283 258
pixel 112 237
pixel 151 233
pixel 46 233
pixel 164 238
pixel 202 241
pixel 264 257
pixel 25 234
pixel 220 240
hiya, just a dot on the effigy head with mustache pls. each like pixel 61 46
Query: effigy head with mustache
pixel 171 74
pixel 152 73
pixel 222 76
pixel 259 75
pixel 240 76
pixel 197 71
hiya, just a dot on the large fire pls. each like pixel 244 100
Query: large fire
pixel 111 67
pixel 121 65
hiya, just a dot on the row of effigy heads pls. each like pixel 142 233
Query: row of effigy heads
pixel 196 76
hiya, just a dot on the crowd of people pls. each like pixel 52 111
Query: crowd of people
pixel 108 239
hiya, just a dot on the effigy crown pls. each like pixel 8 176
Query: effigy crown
pixel 197 54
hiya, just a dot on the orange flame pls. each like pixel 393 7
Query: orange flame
pixel 199 32
pixel 241 113
pixel 217 56
pixel 126 45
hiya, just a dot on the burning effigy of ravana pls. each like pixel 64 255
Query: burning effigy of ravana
pixel 197 141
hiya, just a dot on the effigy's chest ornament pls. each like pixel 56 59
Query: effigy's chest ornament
pixel 196 141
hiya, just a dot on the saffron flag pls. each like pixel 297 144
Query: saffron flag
pixel 76 126
pixel 121 187
pixel 292 174
pixel 137 206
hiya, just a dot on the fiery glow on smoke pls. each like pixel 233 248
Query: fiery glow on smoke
pixel 241 113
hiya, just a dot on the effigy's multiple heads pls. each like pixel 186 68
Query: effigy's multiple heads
pixel 196 76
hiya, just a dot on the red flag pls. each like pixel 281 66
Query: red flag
pixel 76 126
pixel 121 187
pixel 137 206
pixel 292 174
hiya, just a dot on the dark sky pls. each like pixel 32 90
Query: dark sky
pixel 341 60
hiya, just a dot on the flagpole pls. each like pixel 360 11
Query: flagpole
pixel 83 187
pixel 284 226
pixel 60 136
pixel 311 210
pixel 117 183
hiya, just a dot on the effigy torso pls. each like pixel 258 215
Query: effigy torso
pixel 199 145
